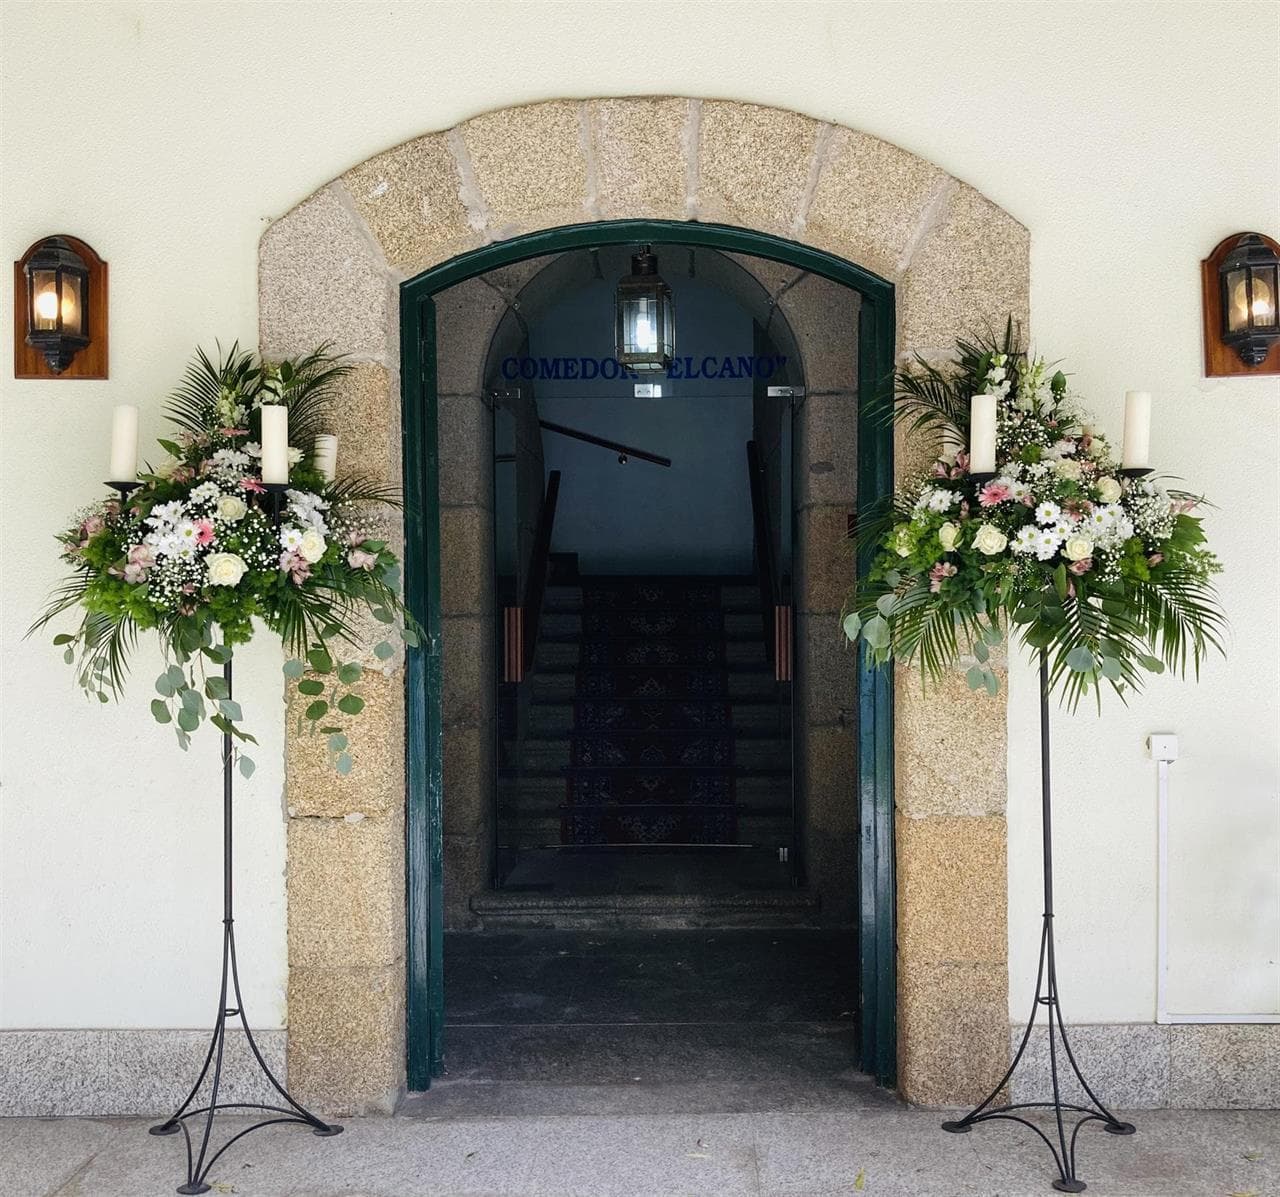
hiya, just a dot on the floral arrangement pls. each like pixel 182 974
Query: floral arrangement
pixel 1104 569
pixel 200 548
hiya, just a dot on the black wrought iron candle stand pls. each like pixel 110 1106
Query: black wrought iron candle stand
pixel 1064 1153
pixel 199 1161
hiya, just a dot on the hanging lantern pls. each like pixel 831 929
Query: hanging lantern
pixel 646 318
pixel 1250 320
pixel 57 302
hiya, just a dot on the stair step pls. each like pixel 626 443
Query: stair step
pixel 569 623
pixel 690 652
pixel 548 718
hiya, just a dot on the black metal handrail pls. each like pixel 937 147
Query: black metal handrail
pixel 591 439
pixel 539 564
pixel 766 565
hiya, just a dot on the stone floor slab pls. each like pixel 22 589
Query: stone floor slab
pixel 884 1153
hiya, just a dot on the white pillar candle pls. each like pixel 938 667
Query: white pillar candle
pixel 275 443
pixel 326 456
pixel 1137 430
pixel 124 444
pixel 982 435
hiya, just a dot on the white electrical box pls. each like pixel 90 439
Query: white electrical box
pixel 1163 746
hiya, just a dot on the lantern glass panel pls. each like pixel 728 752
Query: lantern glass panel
pixel 643 323
pixel 73 303
pixel 1262 308
pixel 44 300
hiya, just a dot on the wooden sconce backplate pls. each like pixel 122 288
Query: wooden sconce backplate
pixel 91 361
pixel 1221 360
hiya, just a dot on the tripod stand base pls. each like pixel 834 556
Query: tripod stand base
pixel 1070 1186
pixel 1120 1128
pixel 327 1132
pixel 193 1188
pixel 952 1128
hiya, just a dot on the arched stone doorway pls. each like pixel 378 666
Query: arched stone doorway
pixel 330 270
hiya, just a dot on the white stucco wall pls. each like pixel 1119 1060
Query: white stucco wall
pixel 169 135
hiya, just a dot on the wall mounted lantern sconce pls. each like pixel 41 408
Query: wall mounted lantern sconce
pixel 1240 282
pixel 60 311
pixel 646 317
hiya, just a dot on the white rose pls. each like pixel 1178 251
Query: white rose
pixel 1077 548
pixel 1109 489
pixel 948 534
pixel 231 508
pixel 312 546
pixel 1068 468
pixel 990 540
pixel 225 569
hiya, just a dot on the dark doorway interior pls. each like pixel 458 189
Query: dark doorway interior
pixel 643 531
pixel 631 1022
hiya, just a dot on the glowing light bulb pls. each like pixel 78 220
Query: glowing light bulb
pixel 1262 309
pixel 47 305
pixel 646 340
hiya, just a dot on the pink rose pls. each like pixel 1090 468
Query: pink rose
pixel 1155 558
pixel 362 559
pixel 993 493
pixel 1083 566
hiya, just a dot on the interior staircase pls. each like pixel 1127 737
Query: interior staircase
pixel 652 725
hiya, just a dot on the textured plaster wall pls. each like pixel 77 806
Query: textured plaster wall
pixel 178 133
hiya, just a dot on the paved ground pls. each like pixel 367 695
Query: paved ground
pixel 651 1064
pixel 879 1152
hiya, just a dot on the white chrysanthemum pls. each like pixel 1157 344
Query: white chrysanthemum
pixel 1047 543
pixel 206 492
pixel 1025 541
pixel 933 498
pixel 165 514
pixel 290 538
pixel 253 449
pixel 1020 490
pixel 1065 526
pixel 229 461
pixel 1048 512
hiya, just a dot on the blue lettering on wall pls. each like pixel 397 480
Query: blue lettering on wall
pixel 574 369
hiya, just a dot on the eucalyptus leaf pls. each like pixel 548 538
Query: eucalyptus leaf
pixel 230 708
pixel 351 704
pixel 311 687
pixel 1110 668
pixel 69 656
pixel 160 711
pixel 383 650
pixel 294 668
pixel 350 673
pixel 981 651
pixel 410 637
pixel 382 615
pixel 876 632
pixel 188 719
pixel 319 660
pixel 164 684
pixel 992 683
pixel 216 687
pixel 317 710
pixel 1080 659
pixel 852 625
pixel 338 742
pixel 975 677
pixel 246 765
pixel 63 638
pixel 344 763
pixel 886 603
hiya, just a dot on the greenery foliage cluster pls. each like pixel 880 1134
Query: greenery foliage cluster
pixel 201 549
pixel 1108 573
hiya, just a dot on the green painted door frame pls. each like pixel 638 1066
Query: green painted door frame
pixel 424 786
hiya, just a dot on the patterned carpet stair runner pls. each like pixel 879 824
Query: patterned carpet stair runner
pixel 652 744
